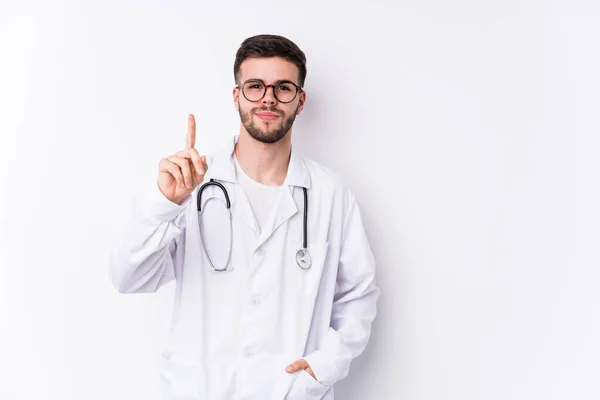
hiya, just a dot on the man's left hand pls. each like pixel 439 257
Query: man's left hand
pixel 301 364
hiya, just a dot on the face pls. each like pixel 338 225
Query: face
pixel 268 120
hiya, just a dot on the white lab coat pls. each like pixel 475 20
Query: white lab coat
pixel 233 333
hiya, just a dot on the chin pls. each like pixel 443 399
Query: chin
pixel 267 137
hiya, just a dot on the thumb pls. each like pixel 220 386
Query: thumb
pixel 297 366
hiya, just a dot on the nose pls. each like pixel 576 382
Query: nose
pixel 269 97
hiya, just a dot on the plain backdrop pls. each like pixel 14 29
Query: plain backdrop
pixel 469 131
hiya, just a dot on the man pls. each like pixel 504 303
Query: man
pixel 276 295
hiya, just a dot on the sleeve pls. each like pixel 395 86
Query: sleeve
pixel 143 257
pixel 354 306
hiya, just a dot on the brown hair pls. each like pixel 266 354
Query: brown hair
pixel 263 46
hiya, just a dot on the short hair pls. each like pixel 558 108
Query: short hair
pixel 264 46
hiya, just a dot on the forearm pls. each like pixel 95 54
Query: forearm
pixel 142 259
pixel 346 338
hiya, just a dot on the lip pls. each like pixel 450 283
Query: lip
pixel 269 116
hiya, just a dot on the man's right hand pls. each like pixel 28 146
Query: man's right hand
pixel 179 174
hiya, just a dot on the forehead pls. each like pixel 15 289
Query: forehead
pixel 268 69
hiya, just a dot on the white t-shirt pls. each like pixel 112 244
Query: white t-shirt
pixel 262 197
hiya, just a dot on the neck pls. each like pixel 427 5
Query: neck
pixel 266 163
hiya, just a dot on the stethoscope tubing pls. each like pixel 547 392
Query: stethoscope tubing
pixel 302 257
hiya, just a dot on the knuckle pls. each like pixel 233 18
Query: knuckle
pixel 179 161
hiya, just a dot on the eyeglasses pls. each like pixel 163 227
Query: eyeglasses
pixel 255 89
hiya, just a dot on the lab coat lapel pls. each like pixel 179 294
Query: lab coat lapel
pixel 222 168
pixel 297 177
pixel 242 210
pixel 284 210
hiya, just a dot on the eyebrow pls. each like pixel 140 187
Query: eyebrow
pixel 274 83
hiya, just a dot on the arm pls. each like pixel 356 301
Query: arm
pixel 354 306
pixel 146 252
pixel 153 241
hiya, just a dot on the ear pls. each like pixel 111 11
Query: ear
pixel 236 96
pixel 301 101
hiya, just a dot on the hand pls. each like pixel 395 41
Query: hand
pixel 181 173
pixel 301 364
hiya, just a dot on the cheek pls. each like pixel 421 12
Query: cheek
pixel 289 110
pixel 244 108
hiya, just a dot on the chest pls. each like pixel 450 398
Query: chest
pixel 286 253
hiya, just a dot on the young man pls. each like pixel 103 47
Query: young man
pixel 275 295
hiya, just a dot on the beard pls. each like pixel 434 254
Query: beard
pixel 274 131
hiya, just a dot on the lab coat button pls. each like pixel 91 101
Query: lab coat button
pixel 255 300
pixel 312 391
pixel 248 353
pixel 260 251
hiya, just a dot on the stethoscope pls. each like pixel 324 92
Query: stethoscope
pixel 302 256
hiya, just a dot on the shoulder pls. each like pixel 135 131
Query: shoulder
pixel 326 180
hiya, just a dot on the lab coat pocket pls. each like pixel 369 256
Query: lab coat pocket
pixel 179 378
pixel 309 279
pixel 306 387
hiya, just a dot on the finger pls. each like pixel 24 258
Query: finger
pixel 191 135
pixel 186 170
pixel 184 166
pixel 193 155
pixel 171 168
pixel 297 366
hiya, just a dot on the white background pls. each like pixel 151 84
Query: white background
pixel 469 131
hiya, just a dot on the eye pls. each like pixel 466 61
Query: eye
pixel 284 88
pixel 253 86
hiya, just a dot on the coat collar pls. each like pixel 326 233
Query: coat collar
pixel 223 167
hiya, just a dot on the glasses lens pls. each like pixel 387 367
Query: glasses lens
pixel 285 92
pixel 254 90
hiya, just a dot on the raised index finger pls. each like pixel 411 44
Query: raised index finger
pixel 190 140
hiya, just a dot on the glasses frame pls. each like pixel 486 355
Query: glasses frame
pixel 241 88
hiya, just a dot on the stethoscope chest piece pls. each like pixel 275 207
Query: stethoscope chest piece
pixel 303 259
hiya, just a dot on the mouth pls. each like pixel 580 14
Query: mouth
pixel 267 116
